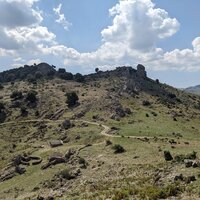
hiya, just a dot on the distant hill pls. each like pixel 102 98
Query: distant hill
pixel 193 90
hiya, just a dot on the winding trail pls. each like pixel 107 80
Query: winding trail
pixel 104 132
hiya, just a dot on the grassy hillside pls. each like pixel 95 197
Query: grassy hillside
pixel 112 147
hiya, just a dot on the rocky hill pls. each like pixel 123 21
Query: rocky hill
pixel 109 135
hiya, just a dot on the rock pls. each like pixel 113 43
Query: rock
pixel 196 164
pixel 8 174
pixel 69 153
pixel 20 170
pixel 168 156
pixel 56 143
pixel 141 71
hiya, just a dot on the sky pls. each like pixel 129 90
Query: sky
pixel 163 35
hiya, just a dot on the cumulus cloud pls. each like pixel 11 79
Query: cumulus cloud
pixel 137 27
pixel 139 24
pixel 61 17
pixel 15 13
pixel 20 29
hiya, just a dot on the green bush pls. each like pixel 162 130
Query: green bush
pixel 72 99
pixel 66 174
pixel 31 96
pixel 118 148
pixel 181 157
pixel 1 87
pixel 154 192
pixel 16 95
pixel 2 106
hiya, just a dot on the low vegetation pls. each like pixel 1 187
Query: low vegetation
pixel 108 135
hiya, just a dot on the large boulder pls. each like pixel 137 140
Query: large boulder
pixel 56 143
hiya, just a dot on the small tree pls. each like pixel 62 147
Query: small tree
pixel 72 99
pixel 97 70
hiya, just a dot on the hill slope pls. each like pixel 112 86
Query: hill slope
pixel 110 145
pixel 193 90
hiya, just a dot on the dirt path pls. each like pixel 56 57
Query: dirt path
pixel 104 132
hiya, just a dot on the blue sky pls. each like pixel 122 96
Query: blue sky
pixel 79 35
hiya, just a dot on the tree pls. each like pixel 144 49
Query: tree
pixel 72 99
pixel 97 70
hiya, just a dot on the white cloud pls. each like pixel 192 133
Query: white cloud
pixel 136 28
pixel 61 17
pixel 138 24
pixel 16 13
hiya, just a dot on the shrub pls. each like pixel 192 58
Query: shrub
pixel 1 87
pixel 108 142
pixel 2 116
pixel 1 106
pixel 31 79
pixel 79 78
pixel 38 75
pixel 171 95
pixel 66 174
pixel 66 76
pixel 168 156
pixel 72 99
pixel 118 148
pixel 146 103
pixel 31 96
pixel 16 95
pixel 61 70
pixel 181 157
pixel 24 111
pixel 155 192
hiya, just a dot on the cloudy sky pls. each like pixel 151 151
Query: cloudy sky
pixel 163 35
